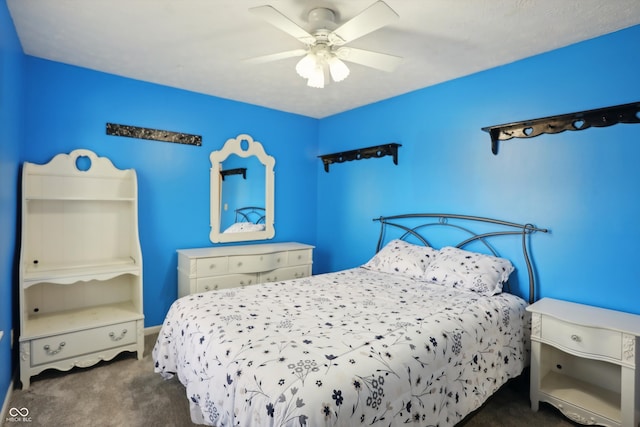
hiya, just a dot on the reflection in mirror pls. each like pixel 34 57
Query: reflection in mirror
pixel 241 192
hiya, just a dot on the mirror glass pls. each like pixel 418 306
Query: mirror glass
pixel 241 192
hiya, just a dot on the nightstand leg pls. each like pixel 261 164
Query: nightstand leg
pixel 628 398
pixel 534 379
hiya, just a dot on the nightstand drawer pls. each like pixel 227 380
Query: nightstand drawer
pixel 583 339
pixel 64 346
pixel 212 266
pixel 224 282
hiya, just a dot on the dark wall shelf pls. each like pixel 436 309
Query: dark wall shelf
pixel 377 151
pixel 601 117
pixel 236 171
pixel 153 134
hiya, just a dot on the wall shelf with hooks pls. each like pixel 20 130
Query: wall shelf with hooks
pixel 376 151
pixel 236 171
pixel 600 117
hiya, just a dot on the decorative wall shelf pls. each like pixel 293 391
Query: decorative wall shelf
pixel 600 117
pixel 153 134
pixel 236 171
pixel 362 153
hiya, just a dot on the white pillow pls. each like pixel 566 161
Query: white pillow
pixel 241 227
pixel 476 272
pixel 400 257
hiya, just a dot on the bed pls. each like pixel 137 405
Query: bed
pixel 249 218
pixel 415 336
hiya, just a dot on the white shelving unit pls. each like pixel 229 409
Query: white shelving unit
pixel 80 264
pixel 584 362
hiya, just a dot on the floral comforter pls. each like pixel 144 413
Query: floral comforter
pixel 352 348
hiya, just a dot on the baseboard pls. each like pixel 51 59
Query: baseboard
pixel 152 330
pixel 7 400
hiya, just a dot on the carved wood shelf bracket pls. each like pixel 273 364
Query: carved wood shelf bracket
pixel 601 117
pixel 362 153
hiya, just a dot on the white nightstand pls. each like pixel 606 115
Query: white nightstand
pixel 583 362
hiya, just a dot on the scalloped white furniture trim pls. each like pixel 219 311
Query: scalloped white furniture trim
pixel 80 264
pixel 206 269
pixel 584 362
pixel 234 146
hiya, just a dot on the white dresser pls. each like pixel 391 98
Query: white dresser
pixel 583 362
pixel 206 269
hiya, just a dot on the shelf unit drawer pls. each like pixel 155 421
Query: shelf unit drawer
pixel 64 346
pixel 223 282
pixel 584 339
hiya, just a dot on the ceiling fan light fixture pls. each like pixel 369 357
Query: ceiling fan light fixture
pixel 316 79
pixel 338 69
pixel 306 66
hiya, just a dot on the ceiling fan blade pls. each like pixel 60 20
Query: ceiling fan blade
pixel 275 56
pixel 375 16
pixel 278 20
pixel 379 61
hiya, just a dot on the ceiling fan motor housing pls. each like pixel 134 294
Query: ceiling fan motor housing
pixel 322 18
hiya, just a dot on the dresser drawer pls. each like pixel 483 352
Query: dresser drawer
pixel 65 346
pixel 285 274
pixel 224 282
pixel 212 266
pixel 583 339
pixel 299 257
pixel 257 263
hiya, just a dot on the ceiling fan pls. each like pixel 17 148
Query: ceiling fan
pixel 325 48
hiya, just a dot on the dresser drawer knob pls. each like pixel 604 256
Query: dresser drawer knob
pixel 212 266
pixel 576 338
pixel 50 352
pixel 114 338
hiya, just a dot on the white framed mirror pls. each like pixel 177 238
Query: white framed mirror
pixel 242 191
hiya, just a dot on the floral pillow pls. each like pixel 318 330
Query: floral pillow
pixel 400 257
pixel 476 272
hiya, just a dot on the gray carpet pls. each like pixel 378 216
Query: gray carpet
pixel 126 392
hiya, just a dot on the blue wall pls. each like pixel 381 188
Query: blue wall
pixel 11 82
pixel 582 185
pixel 68 108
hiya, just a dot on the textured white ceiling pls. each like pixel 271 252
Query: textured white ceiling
pixel 199 45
